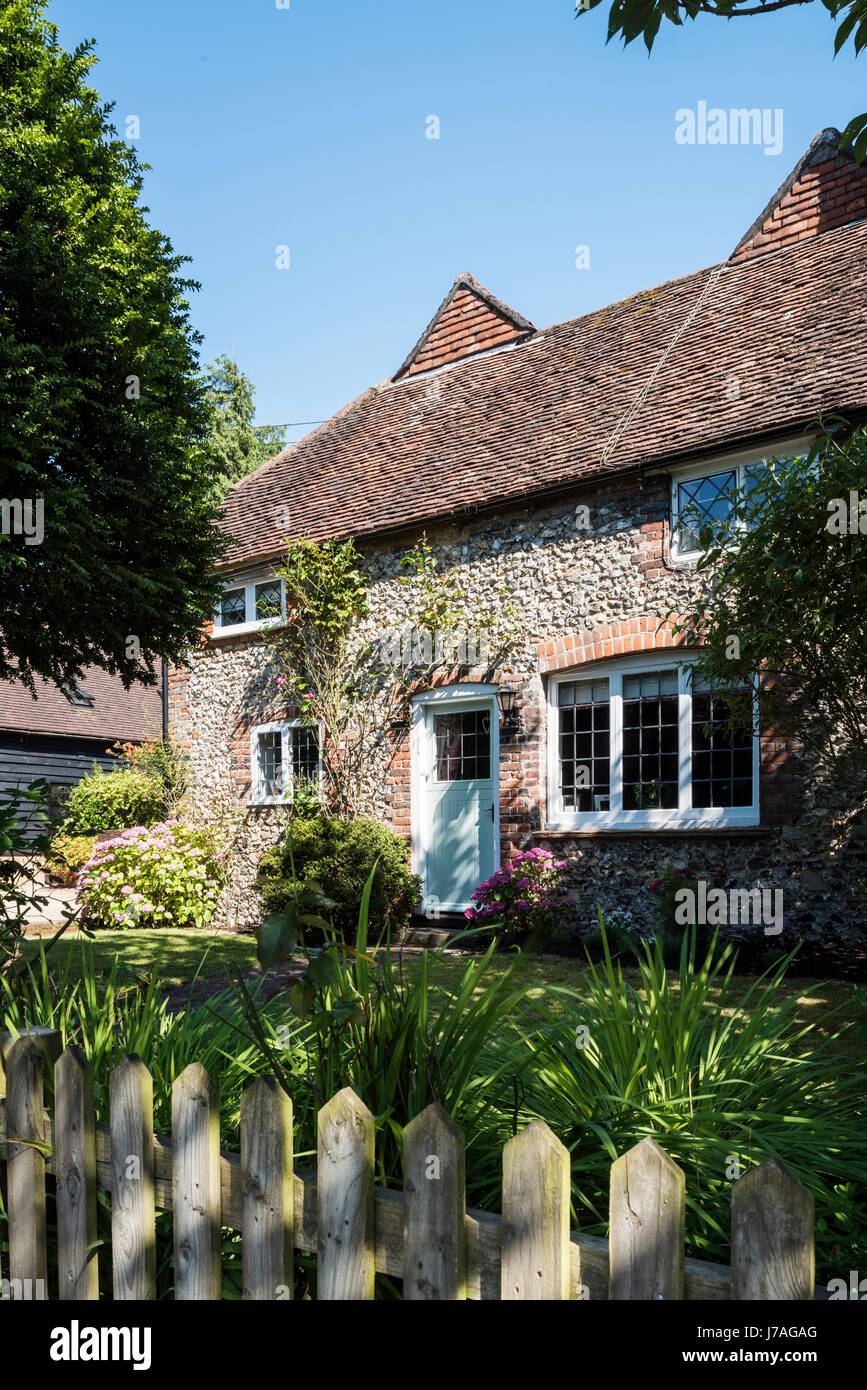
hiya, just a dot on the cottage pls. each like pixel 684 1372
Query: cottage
pixel 556 466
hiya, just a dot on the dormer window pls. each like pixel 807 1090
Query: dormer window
pixel 78 697
pixel 249 604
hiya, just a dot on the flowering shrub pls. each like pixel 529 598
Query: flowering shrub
pixel 68 855
pixel 665 890
pixel 167 875
pixel 754 936
pixel 521 897
pixel 749 935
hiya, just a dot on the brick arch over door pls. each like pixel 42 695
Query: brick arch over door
pixel 604 643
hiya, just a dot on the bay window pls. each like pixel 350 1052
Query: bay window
pixel 639 743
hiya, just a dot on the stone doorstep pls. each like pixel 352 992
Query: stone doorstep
pixel 422 932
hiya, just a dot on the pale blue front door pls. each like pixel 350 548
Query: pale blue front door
pixel 458 787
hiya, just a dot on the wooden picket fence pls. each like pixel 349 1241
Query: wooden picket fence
pixel 424 1235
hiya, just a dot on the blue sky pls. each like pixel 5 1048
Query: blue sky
pixel 306 127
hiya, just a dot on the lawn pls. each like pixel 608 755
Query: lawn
pixel 176 956
pixel 815 997
pixel 180 956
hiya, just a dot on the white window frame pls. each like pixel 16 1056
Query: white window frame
pixel 727 463
pixel 248 583
pixel 685 816
pixel 285 727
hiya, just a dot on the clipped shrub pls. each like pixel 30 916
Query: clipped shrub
pixel 68 855
pixel 167 875
pixel 339 855
pixel 114 801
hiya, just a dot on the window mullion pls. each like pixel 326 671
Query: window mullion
pixel 615 773
pixel 684 797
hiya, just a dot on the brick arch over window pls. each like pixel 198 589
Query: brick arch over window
pixel 604 643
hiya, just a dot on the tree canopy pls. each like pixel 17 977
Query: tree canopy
pixel 631 19
pixel 107 543
pixel 235 445
pixel 783 618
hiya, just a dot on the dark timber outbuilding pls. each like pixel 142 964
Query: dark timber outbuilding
pixel 59 735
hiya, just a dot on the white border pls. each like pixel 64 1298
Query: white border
pixel 723 463
pixel 248 584
pixel 472 696
pixel 284 726
pixel 686 816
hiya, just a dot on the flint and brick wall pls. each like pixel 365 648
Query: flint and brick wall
pixel 584 595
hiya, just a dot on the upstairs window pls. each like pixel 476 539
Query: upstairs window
pixel 249 604
pixel 709 499
pixel 638 745
pixel 284 759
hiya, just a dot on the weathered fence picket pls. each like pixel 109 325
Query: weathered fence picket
pixel 25 1168
pixel 196 1184
pixel 75 1153
pixel 646 1218
pixel 268 1216
pixel 424 1236
pixel 434 1208
pixel 133 1206
pixel 346 1265
pixel 536 1192
pixel 772 1235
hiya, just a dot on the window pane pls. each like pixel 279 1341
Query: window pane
pixel 269 760
pixel 702 502
pixel 305 759
pixel 584 754
pixel 233 607
pixel 722 758
pixel 463 746
pixel 650 740
pixel 268 598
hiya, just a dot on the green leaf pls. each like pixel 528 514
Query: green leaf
pixel 302 998
pixel 312 919
pixel 276 938
pixel 322 970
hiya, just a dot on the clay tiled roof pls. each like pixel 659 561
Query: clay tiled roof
pixel 746 350
pixel 115 713
pixel 469 320
pixel 825 189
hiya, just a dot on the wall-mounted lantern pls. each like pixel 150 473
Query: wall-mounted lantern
pixel 507 699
